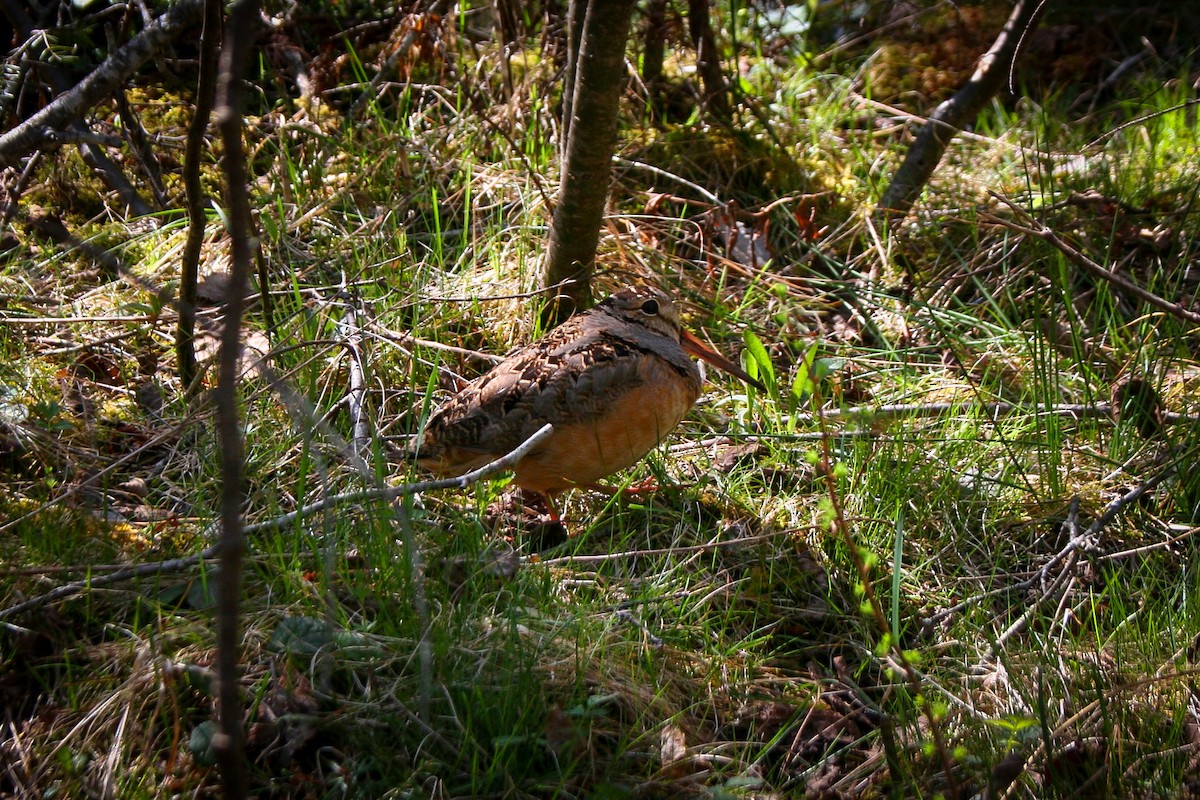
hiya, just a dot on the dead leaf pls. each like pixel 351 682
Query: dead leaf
pixel 743 243
pixel 672 752
pixel 805 216
pixel 730 455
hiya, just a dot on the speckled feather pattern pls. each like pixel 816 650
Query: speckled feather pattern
pixel 573 376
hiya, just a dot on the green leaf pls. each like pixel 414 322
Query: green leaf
pixel 201 594
pixel 202 679
pixel 196 594
pixel 201 743
pixel 804 383
pixel 302 636
pixel 760 359
pixel 824 366
pixel 356 646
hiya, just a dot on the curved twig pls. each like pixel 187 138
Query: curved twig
pixel 208 553
pixel 101 82
pixel 1031 227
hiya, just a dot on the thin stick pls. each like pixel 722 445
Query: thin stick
pixel 186 562
pixel 185 333
pixel 1149 548
pixel 228 745
pixel 707 547
pixel 1032 227
pixel 351 339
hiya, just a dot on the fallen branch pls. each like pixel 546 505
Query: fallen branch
pixel 997 409
pixel 1170 541
pixel 91 151
pixel 1077 542
pixel 388 493
pixel 490 359
pixel 1069 555
pixel 100 83
pixel 1031 227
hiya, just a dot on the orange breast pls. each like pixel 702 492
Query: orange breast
pixel 586 451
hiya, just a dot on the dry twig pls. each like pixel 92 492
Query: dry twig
pixel 101 82
pixel 1032 227
pixel 177 564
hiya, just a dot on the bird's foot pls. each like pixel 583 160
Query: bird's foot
pixel 646 486
pixel 550 530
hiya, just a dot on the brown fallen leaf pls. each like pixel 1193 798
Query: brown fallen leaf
pixel 672 752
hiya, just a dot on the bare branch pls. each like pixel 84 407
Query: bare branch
pixel 946 120
pixel 177 564
pixel 101 82
pixel 235 56
pixel 1032 227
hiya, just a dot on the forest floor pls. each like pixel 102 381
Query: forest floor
pixel 949 552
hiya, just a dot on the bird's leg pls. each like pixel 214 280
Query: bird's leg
pixel 546 533
pixel 644 486
pixel 548 499
pixel 541 501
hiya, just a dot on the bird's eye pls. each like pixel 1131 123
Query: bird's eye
pixel 650 308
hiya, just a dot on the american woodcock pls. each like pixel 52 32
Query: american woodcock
pixel 613 381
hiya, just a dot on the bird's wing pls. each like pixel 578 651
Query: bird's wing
pixel 562 383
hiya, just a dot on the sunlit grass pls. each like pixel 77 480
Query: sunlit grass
pixel 711 636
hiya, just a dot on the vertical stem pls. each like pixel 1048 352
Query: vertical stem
pixel 708 60
pixel 185 334
pixel 576 10
pixel 231 756
pixel 654 54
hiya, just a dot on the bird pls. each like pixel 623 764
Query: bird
pixel 613 381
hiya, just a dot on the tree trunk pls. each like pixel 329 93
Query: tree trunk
pixel 654 54
pixel 708 62
pixel 950 117
pixel 591 122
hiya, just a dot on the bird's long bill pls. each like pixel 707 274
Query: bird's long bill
pixel 699 349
